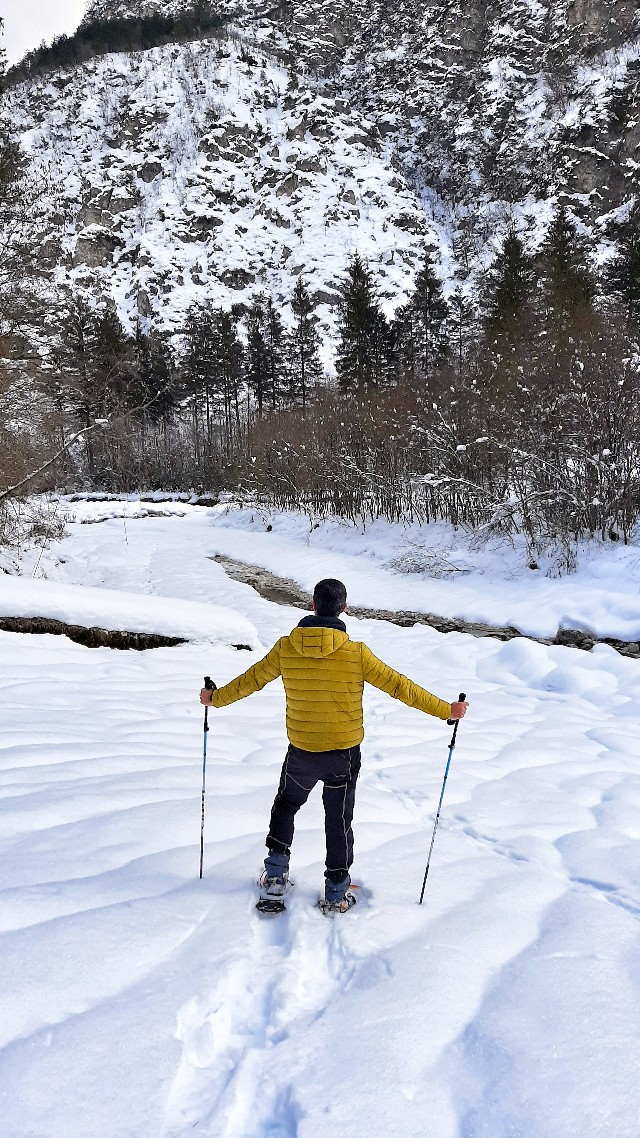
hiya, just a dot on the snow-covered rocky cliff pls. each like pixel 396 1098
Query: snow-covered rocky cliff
pixel 299 133
pixel 196 170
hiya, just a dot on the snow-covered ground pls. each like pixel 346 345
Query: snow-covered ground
pixel 139 1002
pixel 127 612
pixel 416 568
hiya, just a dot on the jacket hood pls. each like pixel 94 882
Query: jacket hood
pixel 317 642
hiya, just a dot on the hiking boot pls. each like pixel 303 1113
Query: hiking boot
pixel 336 883
pixel 273 886
pixel 275 875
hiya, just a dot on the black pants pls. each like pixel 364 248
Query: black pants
pixel 338 770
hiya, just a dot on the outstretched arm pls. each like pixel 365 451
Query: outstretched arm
pixel 252 680
pixel 395 684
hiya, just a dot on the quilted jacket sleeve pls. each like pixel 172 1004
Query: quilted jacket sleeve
pixel 253 679
pixel 395 684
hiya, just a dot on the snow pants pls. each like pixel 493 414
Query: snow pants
pixel 338 771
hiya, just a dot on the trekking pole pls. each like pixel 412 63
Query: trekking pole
pixel 461 698
pixel 210 686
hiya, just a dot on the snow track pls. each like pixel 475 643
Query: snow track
pixel 139 1002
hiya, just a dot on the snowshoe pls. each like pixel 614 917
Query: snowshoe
pixel 332 908
pixel 272 891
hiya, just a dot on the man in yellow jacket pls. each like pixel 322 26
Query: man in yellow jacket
pixel 324 673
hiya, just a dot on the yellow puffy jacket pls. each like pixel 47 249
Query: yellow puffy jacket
pixel 324 673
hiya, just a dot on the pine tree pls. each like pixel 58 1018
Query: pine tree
pixel 304 363
pixel 567 287
pixel 508 288
pixel 199 370
pixel 509 320
pixel 624 274
pixel 156 391
pixel 360 363
pixel 113 364
pixel 274 335
pixel 463 317
pixel 431 312
pixel 94 365
pixel 230 363
pixel 257 354
pixel 421 329
pixel 212 369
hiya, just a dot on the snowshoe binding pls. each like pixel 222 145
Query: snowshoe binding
pixel 272 892
pixel 333 908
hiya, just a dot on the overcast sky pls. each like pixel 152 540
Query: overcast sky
pixel 28 22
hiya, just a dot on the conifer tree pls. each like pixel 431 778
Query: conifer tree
pixel 421 328
pixel 304 362
pixel 431 312
pixel 509 320
pixel 508 288
pixel 360 362
pixel 199 370
pixel 567 286
pixel 94 366
pixel 230 365
pixel 274 335
pixel 156 390
pixel 257 355
pixel 463 316
pixel 624 274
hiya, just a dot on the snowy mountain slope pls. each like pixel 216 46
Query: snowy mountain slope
pixel 190 172
pixel 140 1001
pixel 501 100
pixel 301 132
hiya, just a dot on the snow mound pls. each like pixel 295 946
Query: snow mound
pixel 130 612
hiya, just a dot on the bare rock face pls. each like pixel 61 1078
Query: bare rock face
pixel 604 22
pixel 95 247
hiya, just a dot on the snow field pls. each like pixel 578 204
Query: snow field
pixel 141 1002
pixel 490 584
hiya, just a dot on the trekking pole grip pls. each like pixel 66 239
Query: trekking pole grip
pixel 209 686
pixel 461 698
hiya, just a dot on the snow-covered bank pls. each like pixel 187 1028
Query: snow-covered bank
pixel 165 548
pixel 116 610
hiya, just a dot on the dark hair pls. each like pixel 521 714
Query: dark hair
pixel 330 596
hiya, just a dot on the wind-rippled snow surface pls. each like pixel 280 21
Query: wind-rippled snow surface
pixel 139 1002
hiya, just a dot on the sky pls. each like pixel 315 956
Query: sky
pixel 28 22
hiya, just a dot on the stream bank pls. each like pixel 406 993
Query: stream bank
pixel 284 591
